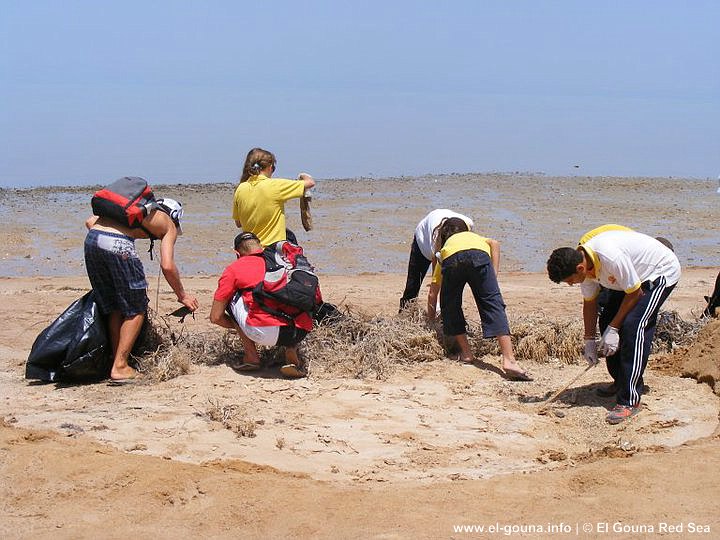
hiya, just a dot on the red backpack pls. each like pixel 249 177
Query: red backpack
pixel 290 282
pixel 127 201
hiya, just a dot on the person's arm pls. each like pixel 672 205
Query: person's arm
pixel 590 317
pixel 307 180
pixel 238 224
pixel 171 271
pixel 610 340
pixel 434 291
pixel 494 253
pixel 219 316
pixel 161 226
pixel 626 306
pixel 91 221
pixel 432 301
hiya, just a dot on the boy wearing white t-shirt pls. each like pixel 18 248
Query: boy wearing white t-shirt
pixel 639 273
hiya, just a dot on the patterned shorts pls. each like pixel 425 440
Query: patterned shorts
pixel 116 273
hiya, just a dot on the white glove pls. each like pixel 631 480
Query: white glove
pixel 591 352
pixel 609 342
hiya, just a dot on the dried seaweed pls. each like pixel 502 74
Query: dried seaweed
pixel 232 417
pixel 673 331
pixel 359 345
pixel 535 338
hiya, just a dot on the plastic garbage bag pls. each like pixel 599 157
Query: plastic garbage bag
pixel 74 347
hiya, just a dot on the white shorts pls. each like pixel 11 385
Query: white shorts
pixel 262 335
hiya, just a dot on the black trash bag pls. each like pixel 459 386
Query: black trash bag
pixel 327 313
pixel 74 347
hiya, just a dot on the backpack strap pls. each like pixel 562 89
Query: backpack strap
pixel 257 296
pixel 152 240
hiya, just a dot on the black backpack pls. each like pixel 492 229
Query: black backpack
pixel 290 285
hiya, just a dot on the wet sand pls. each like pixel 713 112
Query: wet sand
pixel 366 225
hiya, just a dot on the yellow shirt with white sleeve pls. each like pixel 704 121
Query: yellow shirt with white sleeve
pixel 462 241
pixel 624 259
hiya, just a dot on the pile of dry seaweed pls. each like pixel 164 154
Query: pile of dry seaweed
pixel 358 345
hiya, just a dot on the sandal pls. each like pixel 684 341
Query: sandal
pixel 135 379
pixel 292 371
pixel 247 366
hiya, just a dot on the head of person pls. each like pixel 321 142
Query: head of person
pixel 246 243
pixel 258 161
pixel 446 229
pixel 173 209
pixel 665 242
pixel 567 265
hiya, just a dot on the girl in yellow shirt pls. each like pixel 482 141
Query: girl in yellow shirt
pixel 465 258
pixel 259 201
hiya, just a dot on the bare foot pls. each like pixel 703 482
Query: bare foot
pixel 514 371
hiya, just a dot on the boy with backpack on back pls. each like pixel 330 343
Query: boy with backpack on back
pixel 241 303
pixel 114 268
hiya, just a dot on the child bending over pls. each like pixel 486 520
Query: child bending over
pixel 463 257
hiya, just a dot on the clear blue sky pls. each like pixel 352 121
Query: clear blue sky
pixel 179 91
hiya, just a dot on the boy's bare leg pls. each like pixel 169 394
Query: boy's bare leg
pixel 124 331
pixel 465 353
pixel 251 353
pixel 508 363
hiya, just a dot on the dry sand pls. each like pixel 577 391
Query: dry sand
pixel 433 446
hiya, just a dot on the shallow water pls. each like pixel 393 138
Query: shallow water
pixel 366 225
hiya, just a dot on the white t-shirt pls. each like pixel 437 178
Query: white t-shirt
pixel 623 260
pixel 424 229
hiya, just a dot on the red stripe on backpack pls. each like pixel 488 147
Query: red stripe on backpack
pixel 127 201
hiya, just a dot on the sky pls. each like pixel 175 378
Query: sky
pixel 179 91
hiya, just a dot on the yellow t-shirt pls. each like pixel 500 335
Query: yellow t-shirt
pixel 259 206
pixel 601 229
pixel 459 242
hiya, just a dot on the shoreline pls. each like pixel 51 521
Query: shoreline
pixel 428 176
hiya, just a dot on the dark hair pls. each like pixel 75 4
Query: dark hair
pixel 244 238
pixel 257 160
pixel 665 242
pixel 446 229
pixel 563 263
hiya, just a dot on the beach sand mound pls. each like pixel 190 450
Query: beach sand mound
pixel 701 360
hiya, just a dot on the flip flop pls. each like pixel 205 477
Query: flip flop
pixel 291 371
pixel 247 366
pixel 123 382
pixel 515 375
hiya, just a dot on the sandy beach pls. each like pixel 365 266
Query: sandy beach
pixel 431 447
